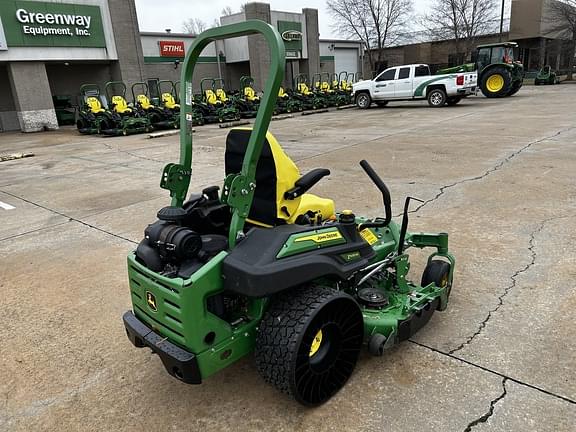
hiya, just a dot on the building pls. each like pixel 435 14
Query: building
pixel 50 48
pixel 532 26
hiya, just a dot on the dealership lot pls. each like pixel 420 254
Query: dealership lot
pixel 497 175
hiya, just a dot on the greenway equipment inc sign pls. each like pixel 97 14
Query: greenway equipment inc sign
pixel 31 23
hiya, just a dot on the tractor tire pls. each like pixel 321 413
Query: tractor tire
pixel 515 88
pixel 363 101
pixel 455 100
pixel 81 124
pixel 437 98
pixel 382 104
pixel 308 343
pixel 496 83
pixel 438 273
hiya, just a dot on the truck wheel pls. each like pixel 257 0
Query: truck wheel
pixel 438 273
pixel 363 101
pixel 496 82
pixel 453 101
pixel 437 98
pixel 308 343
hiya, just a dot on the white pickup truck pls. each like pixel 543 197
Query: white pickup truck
pixel 414 82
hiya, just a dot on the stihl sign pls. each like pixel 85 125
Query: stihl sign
pixel 172 49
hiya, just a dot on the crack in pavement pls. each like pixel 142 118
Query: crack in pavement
pixel 486 416
pixel 491 170
pixel 513 278
pixel 70 218
pixel 494 372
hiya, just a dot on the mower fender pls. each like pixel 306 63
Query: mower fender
pixel 179 363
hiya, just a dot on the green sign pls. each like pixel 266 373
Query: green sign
pixel 31 23
pixel 291 33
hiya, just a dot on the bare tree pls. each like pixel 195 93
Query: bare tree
pixel 194 25
pixel 227 11
pixel 562 22
pixel 377 23
pixel 461 20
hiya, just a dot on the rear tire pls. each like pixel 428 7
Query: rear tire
pixel 437 98
pixel 308 343
pixel 363 101
pixel 496 83
pixel 515 88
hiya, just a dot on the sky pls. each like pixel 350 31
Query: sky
pixel 155 15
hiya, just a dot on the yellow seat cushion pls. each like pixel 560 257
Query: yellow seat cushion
pixel 144 102
pixel 221 95
pixel 250 94
pixel 94 105
pixel 211 97
pixel 168 101
pixel 303 89
pixel 120 105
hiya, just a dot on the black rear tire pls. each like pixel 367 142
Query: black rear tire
pixel 308 343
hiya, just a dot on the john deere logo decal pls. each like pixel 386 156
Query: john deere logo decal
pixel 292 35
pixel 151 300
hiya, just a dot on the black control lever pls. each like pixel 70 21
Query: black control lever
pixel 385 195
pixel 404 228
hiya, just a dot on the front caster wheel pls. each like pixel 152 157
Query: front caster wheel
pixel 438 273
pixel 308 343
pixel 377 344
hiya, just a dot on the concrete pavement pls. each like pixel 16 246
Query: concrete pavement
pixel 498 175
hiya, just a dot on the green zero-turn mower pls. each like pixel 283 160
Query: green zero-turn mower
pixel 266 267
pixel 90 110
pixel 546 76
pixel 125 119
pixel 160 117
pixel 215 100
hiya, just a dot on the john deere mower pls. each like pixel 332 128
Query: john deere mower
pixel 160 118
pixel 246 100
pixel 220 108
pixel 265 267
pixel 302 92
pixel 287 102
pixel 124 119
pixel 90 110
pixel 546 76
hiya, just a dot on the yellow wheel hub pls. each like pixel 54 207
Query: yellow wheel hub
pixel 316 343
pixel 495 83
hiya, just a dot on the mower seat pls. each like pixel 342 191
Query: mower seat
pixel 94 105
pixel 325 87
pixel 250 94
pixel 221 95
pixel 120 105
pixel 303 89
pixel 144 102
pixel 282 94
pixel 277 177
pixel 211 97
pixel 168 101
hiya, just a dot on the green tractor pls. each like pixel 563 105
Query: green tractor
pixel 546 76
pixel 265 267
pixel 499 75
pixel 123 119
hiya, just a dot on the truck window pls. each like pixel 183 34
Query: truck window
pixel 404 73
pixel 422 71
pixel 388 75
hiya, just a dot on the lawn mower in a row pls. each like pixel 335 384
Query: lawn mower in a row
pixel 262 266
